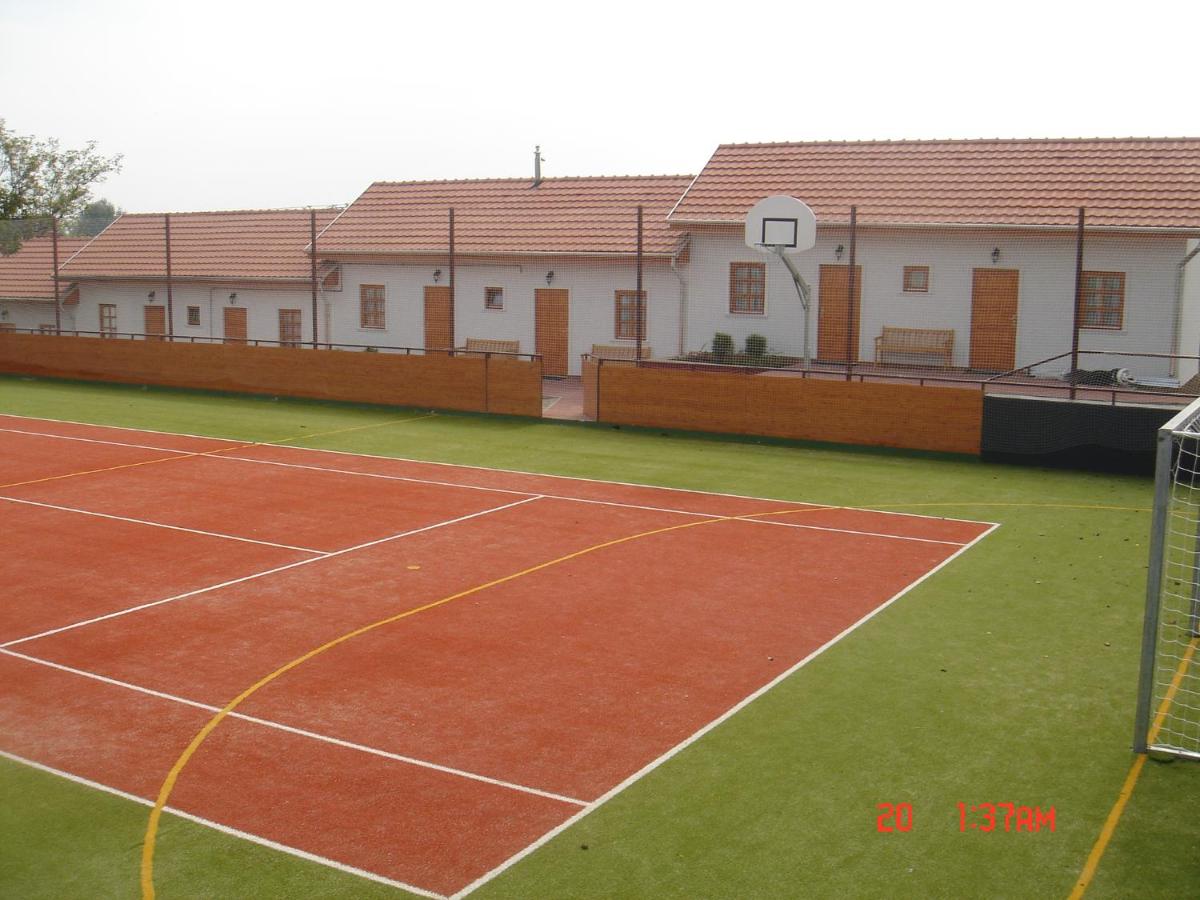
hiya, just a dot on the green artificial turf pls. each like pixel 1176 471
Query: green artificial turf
pixel 1007 676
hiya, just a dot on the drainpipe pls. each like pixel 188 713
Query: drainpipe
pixel 1175 325
pixel 684 246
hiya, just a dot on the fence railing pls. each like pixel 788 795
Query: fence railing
pixel 1017 381
pixel 265 342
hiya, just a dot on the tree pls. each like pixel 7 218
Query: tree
pixel 96 216
pixel 39 179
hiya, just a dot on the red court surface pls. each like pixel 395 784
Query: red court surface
pixel 155 577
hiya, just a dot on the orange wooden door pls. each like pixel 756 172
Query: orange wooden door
pixel 156 323
pixel 235 324
pixel 551 308
pixel 439 319
pixel 994 319
pixel 837 315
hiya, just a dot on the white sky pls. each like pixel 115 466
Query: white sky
pixel 219 105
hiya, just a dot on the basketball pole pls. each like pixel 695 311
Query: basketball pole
pixel 802 289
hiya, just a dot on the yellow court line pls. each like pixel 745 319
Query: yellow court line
pixel 184 454
pixel 168 785
pixel 144 462
pixel 1114 815
pixel 301 437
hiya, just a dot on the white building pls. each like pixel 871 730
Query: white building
pixel 549 265
pixel 238 275
pixel 973 237
pixel 971 240
pixel 27 284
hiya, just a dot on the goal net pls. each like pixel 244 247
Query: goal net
pixel 1168 710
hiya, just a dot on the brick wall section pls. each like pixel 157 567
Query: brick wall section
pixel 437 381
pixel 514 386
pixel 588 376
pixel 887 415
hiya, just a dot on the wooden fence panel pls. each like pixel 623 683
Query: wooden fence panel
pixel 779 405
pixel 435 380
pixel 514 386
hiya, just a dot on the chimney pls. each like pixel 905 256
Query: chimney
pixel 537 166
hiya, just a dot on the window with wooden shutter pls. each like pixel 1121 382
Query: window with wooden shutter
pixel 747 288
pixel 916 279
pixel 627 305
pixel 108 319
pixel 1102 304
pixel 289 327
pixel 371 306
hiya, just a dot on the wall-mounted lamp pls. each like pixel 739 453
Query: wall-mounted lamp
pixel 838 251
pixel 150 296
pixel 233 299
pixel 3 312
pixel 995 255
pixel 549 276
pixel 437 273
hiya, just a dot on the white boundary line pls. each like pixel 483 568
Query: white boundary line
pixel 687 742
pixel 217 826
pixel 218 455
pixel 301 732
pixel 215 534
pixel 67 437
pixel 430 462
pixel 244 578
pixel 744 517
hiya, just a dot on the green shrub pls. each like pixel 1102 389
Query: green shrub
pixel 722 344
pixel 756 345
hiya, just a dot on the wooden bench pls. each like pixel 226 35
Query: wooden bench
pixel 620 351
pixel 933 342
pixel 488 345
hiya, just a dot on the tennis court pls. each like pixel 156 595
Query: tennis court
pixel 487 655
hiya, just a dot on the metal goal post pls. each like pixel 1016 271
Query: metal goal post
pixel 1168 707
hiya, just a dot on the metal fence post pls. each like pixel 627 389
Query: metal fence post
pixel 1158 528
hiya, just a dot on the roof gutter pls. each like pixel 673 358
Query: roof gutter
pixel 1176 324
pixel 491 254
pixel 1189 231
pixel 282 280
pixel 684 246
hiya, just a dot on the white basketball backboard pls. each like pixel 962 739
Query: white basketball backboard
pixel 781 223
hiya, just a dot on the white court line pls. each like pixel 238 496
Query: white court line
pixel 431 462
pixel 744 517
pixel 302 732
pixel 225 829
pixel 100 515
pixel 67 437
pixel 687 742
pixel 244 578
pixel 217 454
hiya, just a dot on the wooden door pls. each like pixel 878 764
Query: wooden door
pixel 439 319
pixel 994 319
pixel 837 315
pixel 155 323
pixel 551 331
pixel 235 324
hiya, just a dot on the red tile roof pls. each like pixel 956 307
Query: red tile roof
pixel 509 216
pixel 28 274
pixel 1122 182
pixel 268 244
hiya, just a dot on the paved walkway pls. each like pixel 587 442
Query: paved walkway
pixel 562 398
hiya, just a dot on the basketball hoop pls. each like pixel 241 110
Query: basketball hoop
pixel 784 226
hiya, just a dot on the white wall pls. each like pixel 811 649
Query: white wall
pixel 30 314
pixel 591 287
pixel 1189 318
pixel 262 308
pixel 1046 264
